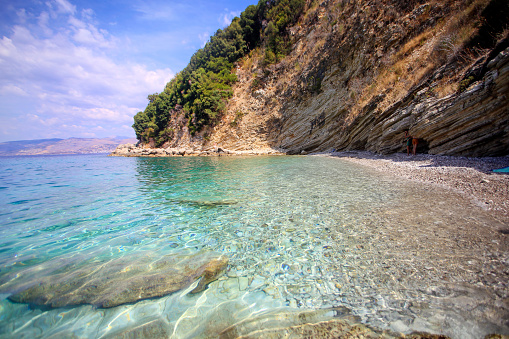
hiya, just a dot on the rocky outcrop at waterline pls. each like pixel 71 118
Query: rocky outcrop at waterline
pixel 133 150
pixel 109 283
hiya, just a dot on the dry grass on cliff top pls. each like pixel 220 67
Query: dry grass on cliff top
pixel 444 43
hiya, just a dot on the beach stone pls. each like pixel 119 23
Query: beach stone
pixel 171 151
pixel 153 329
pixel 115 282
pixel 293 303
pixel 231 288
pixel 257 282
pixel 243 283
pixel 399 326
pixel 231 284
pixel 273 291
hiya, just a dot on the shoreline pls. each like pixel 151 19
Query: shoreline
pixel 471 177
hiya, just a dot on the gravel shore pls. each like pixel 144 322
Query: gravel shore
pixel 472 177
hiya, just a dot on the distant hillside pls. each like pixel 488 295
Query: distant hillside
pixel 62 146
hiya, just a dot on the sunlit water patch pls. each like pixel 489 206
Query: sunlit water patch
pixel 306 233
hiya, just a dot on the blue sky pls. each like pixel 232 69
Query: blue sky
pixel 75 68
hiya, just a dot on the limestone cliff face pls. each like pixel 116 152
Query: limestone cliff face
pixel 361 72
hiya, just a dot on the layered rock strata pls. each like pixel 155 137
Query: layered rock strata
pixel 471 123
pixel 474 122
pixel 359 86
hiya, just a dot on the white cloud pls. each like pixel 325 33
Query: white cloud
pixel 69 78
pixel 204 38
pixel 22 15
pixel 87 14
pixel 226 18
pixel 85 36
pixel 43 21
pixel 7 48
pixel 12 90
pixel 151 10
pixel 62 6
pixel 76 23
pixel 87 33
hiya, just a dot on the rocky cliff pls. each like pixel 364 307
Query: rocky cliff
pixel 360 73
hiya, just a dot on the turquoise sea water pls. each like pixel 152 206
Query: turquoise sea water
pixel 301 233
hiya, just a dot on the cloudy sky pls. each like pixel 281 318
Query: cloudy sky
pixel 84 68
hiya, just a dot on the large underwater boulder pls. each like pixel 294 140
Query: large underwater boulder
pixel 118 281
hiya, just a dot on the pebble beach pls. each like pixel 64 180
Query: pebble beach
pixel 471 177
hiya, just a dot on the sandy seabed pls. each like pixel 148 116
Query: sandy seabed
pixel 472 177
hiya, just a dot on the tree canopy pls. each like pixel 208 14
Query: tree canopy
pixel 204 86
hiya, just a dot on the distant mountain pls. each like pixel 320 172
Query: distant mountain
pixel 62 146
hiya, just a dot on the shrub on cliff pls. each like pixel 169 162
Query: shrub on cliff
pixel 280 14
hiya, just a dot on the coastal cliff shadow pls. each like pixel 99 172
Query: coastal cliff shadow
pixel 485 164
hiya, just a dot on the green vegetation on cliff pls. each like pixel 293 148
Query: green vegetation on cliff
pixel 204 86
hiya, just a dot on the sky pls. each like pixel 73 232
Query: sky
pixel 84 68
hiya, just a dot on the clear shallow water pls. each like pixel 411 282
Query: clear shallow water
pixel 299 232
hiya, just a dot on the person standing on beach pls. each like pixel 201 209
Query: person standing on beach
pixel 408 139
pixel 415 141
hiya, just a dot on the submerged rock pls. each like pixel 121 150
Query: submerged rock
pixel 115 282
pixel 154 329
pixel 325 323
pixel 207 203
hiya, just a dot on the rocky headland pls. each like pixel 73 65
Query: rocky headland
pixel 358 74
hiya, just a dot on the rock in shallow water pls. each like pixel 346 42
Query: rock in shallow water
pixel 154 329
pixel 115 282
pixel 275 323
pixel 324 323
